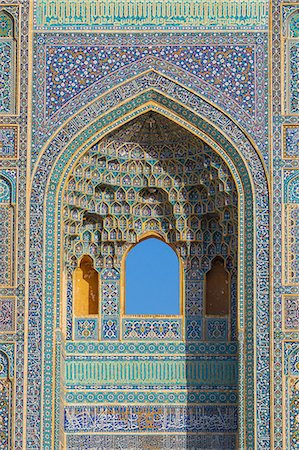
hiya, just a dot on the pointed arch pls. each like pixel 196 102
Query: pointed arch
pixel 229 141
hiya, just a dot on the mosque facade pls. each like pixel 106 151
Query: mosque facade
pixel 123 120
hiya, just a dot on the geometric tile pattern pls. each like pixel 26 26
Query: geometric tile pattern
pixel 8 141
pixel 7 76
pixel 294 77
pixel 86 329
pixel 7 198
pixel 8 30
pixel 152 419
pixel 293 413
pixel 292 243
pixel 5 403
pixel 216 329
pixel 162 372
pixel 44 315
pixel 5 411
pixel 294 25
pixel 5 191
pixel 291 186
pixel 291 141
pixel 6 238
pixel 122 396
pixel 291 406
pixel 7 314
pixel 254 46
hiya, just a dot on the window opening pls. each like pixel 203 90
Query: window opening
pixel 86 289
pixel 152 279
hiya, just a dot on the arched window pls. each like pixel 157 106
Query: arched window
pixel 8 61
pixel 86 288
pixel 152 279
pixel 217 289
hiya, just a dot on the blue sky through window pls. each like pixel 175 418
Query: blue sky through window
pixel 152 279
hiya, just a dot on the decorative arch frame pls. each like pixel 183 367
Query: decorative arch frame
pixel 57 159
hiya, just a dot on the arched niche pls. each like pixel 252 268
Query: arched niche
pixel 250 175
pixel 291 50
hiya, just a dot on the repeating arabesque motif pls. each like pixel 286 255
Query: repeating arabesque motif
pixel 71 69
pixel 155 441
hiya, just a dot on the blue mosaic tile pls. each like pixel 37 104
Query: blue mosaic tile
pixel 8 142
pixel 294 78
pixel 7 313
pixel 169 329
pixel 151 419
pixel 58 148
pixel 110 328
pixel 216 329
pixel 86 328
pixel 7 76
pixel 194 329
